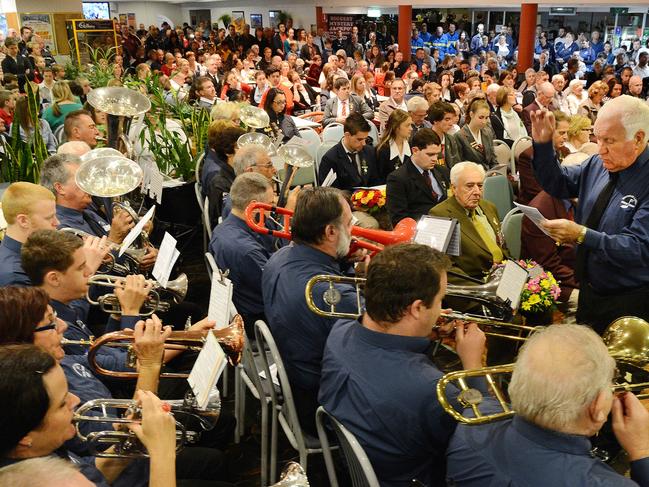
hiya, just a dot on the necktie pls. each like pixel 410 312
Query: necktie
pixel 426 174
pixel 486 237
pixel 593 220
pixel 343 110
pixel 354 158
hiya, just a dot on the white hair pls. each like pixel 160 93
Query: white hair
pixel 247 156
pixel 417 103
pixel 632 112
pixel 247 187
pixel 559 371
pixel 74 147
pixel 493 88
pixel 460 167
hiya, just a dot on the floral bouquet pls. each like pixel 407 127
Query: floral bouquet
pixel 369 200
pixel 541 292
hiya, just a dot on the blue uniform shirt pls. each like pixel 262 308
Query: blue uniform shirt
pixel 211 167
pixel 300 334
pixel 11 267
pixel 88 221
pixel 440 43
pixel 382 388
pixel 516 453
pixel 621 242
pixel 235 246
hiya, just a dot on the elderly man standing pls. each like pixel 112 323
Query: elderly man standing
pixel 561 392
pixel 482 241
pixel 396 100
pixel 544 98
pixel 611 224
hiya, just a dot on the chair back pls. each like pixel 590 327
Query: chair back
pixel 503 152
pixel 311 136
pixel 333 132
pixel 374 133
pixel 322 150
pixel 512 228
pixel 360 468
pixel 519 146
pixel 59 134
pixel 498 190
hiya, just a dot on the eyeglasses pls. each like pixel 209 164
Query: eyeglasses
pixel 265 166
pixel 50 326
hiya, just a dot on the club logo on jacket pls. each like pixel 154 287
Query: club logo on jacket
pixel 628 202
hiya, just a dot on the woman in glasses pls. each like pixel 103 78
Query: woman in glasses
pixel 282 125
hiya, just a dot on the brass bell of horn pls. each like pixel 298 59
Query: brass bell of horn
pixel 254 117
pixel 627 339
pixel 108 175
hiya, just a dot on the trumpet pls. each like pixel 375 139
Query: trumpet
pixel 625 339
pixel 153 303
pixel 332 297
pixel 230 338
pixel 132 255
pixel 125 443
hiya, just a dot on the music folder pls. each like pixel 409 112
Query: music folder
pixel 440 233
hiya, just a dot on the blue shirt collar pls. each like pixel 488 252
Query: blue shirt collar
pixel 392 342
pixel 70 214
pixel 12 244
pixel 552 440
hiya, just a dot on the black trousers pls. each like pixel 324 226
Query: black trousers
pixel 600 309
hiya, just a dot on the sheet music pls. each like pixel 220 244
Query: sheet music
pixel 156 183
pixel 167 256
pixel 136 230
pixel 455 244
pixel 535 215
pixel 434 232
pixel 220 301
pixel 207 369
pixel 295 140
pixel 330 179
pixel 511 283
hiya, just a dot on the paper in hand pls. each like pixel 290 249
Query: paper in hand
pixel 136 231
pixel 535 215
pixel 167 256
pixel 330 179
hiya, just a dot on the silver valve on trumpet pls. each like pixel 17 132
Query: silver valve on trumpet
pixel 154 303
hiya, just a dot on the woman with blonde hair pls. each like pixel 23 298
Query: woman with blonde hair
pixel 360 87
pixel 393 149
pixel 579 132
pixel 596 93
pixel 64 103
pixel 475 138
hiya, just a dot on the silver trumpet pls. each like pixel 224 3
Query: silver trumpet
pixel 122 412
pixel 132 255
pixel 109 303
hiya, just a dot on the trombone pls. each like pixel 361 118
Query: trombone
pixel 625 339
pixel 153 303
pixel 230 338
pixel 332 297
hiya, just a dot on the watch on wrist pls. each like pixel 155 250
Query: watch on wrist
pixel 582 235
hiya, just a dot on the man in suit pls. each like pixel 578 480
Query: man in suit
pixel 544 98
pixel 338 108
pixel 212 71
pixel 442 117
pixel 481 240
pixel 396 100
pixel 421 183
pixel 353 162
pixel 418 110
pixel 205 92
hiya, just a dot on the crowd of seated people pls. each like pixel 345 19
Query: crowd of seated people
pixel 422 121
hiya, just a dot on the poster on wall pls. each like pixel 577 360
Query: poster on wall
pixel 343 23
pixel 131 20
pixel 256 21
pixel 3 24
pixel 122 19
pixel 42 26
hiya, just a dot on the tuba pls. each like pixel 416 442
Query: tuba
pixel 254 117
pixel 121 105
pixel 483 293
pixel 295 157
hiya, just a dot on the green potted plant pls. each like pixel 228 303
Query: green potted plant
pixel 225 19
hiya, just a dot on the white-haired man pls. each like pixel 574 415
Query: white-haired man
pixel 611 224
pixel 561 392
pixel 482 241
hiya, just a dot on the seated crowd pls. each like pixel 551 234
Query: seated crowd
pixel 424 122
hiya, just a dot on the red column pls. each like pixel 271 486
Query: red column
pixel 405 32
pixel 320 18
pixel 526 36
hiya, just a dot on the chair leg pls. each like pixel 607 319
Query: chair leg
pixel 326 452
pixel 264 442
pixel 224 387
pixel 242 407
pixel 239 413
pixel 273 445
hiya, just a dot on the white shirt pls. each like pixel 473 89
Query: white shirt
pixel 394 150
pixel 347 105
pixel 642 72
pixel 436 187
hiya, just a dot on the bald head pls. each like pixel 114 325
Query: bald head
pixel 635 85
pixel 545 94
pixel 75 148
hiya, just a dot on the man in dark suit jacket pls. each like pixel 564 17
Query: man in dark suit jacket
pixel 421 183
pixel 353 162
pixel 536 245
pixel 544 98
pixel 481 247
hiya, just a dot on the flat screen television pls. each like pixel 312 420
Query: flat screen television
pixel 96 10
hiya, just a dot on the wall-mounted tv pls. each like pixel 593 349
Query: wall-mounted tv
pixel 96 10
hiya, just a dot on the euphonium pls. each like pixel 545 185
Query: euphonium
pixel 293 476
pixel 110 304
